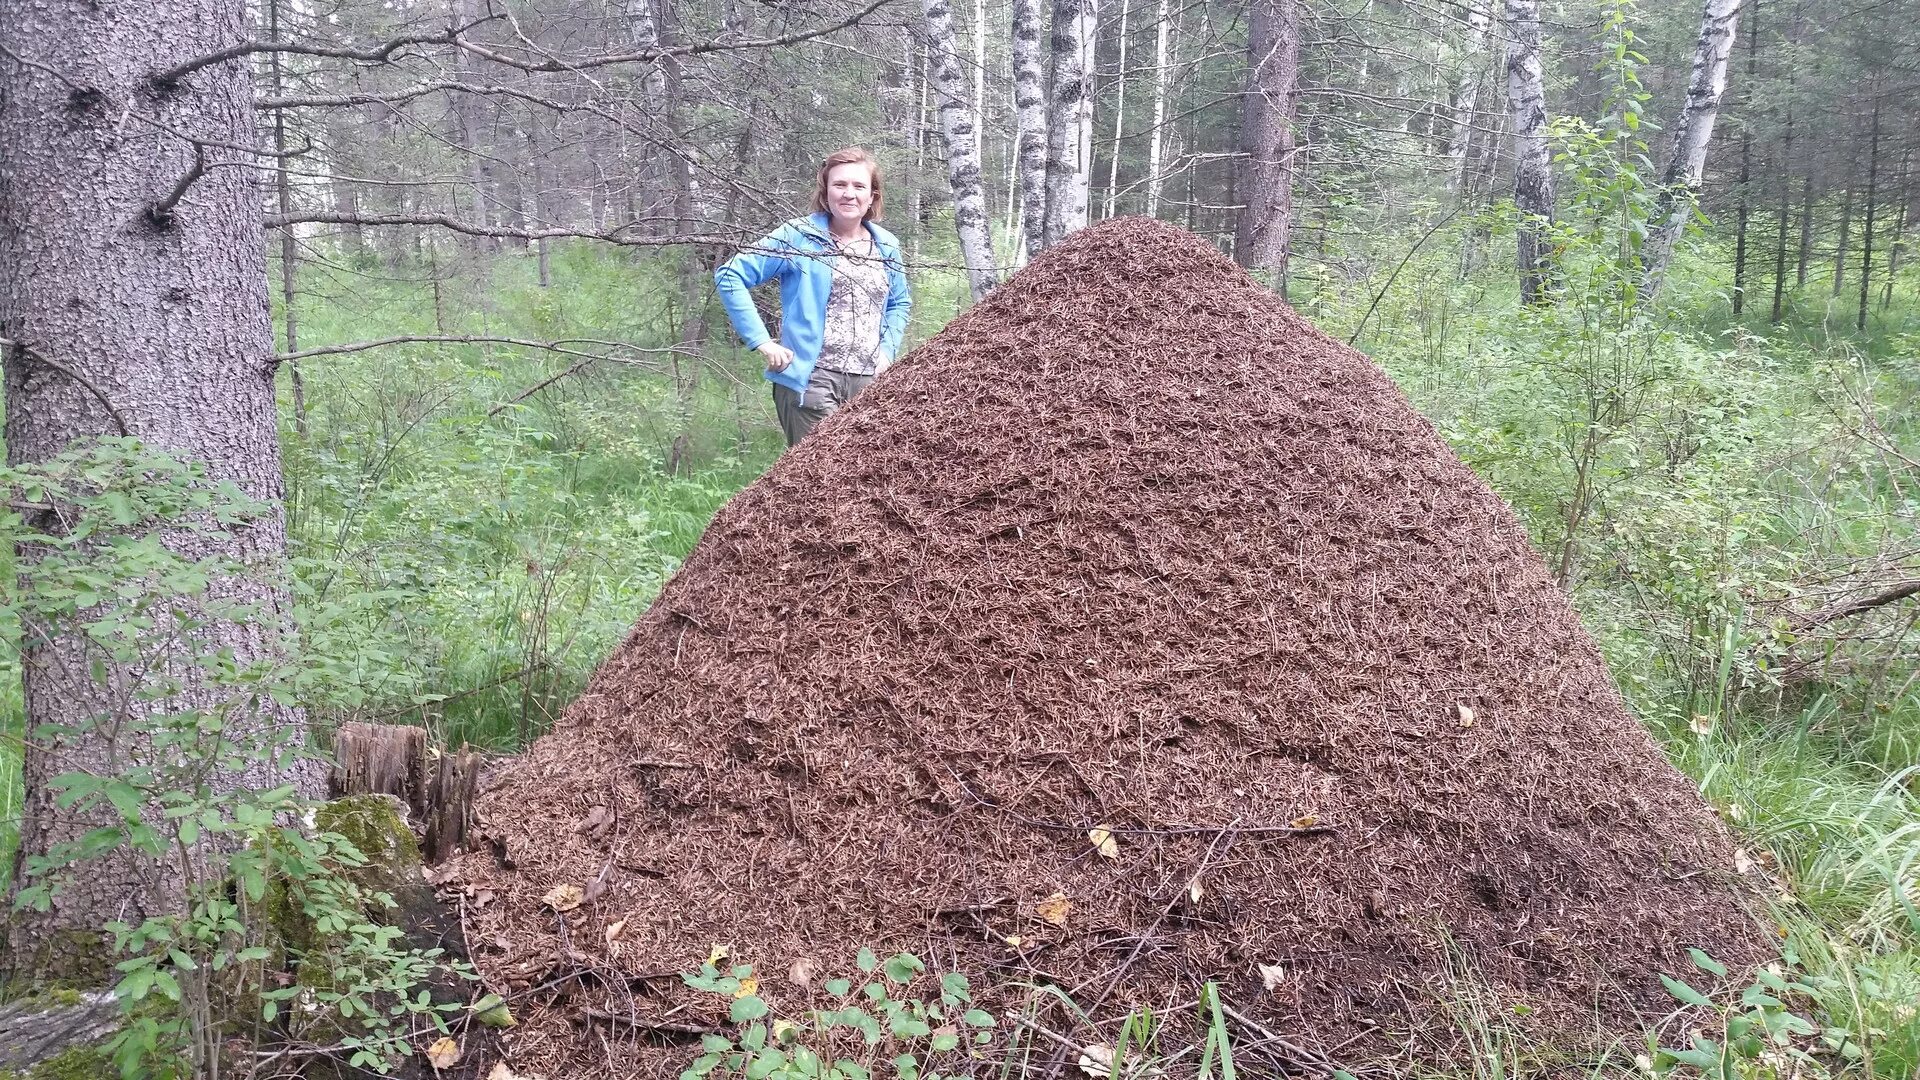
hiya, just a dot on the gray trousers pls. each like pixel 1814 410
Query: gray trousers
pixel 826 392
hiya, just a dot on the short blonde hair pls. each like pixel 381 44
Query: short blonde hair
pixel 850 155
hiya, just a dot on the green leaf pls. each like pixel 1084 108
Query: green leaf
pixel 1683 993
pixel 716 1044
pixel 979 1018
pixel 944 1042
pixel 839 987
pixel 747 1008
pixel 755 1038
pixel 867 961
pixel 1707 963
pixel 901 967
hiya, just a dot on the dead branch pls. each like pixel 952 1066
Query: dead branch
pixel 650 56
pixel 1824 616
pixel 20 350
pixel 160 214
pixel 171 77
pixel 609 236
pixel 561 345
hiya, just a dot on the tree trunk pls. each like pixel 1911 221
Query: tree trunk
pixel 1806 230
pixel 1156 142
pixel 1692 133
pixel 963 154
pixel 1899 245
pixel 1119 114
pixel 1780 224
pixel 1846 227
pixel 1532 170
pixel 1266 125
pixel 1866 230
pixel 289 253
pixel 1030 115
pixel 1745 211
pixel 467 128
pixel 1466 95
pixel 980 78
pixel 1069 116
pixel 165 316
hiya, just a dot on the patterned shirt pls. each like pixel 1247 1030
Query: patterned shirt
pixel 855 307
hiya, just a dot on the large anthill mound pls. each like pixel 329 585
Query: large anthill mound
pixel 1128 545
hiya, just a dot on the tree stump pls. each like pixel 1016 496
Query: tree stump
pixel 436 786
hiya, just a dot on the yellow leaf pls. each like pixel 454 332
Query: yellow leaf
pixel 1194 889
pixel 718 954
pixel 785 1033
pixel 1103 841
pixel 749 986
pixel 614 928
pixel 1466 715
pixel 1054 909
pixel 1702 725
pixel 1272 975
pixel 443 1054
pixel 501 1072
pixel 563 897
pixel 1013 940
pixel 1304 821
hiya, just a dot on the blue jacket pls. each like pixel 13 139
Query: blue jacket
pixel 800 253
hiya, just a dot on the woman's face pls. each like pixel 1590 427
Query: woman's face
pixel 849 192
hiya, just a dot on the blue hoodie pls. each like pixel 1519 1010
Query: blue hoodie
pixel 801 253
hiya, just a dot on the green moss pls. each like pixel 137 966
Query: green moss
pixel 374 825
pixel 77 1063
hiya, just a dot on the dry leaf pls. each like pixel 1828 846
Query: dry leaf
pixel 1097 1060
pixel 1466 715
pixel 1054 909
pixel 1304 821
pixel 443 1054
pixel 749 986
pixel 563 897
pixel 802 972
pixel 718 954
pixel 1103 841
pixel 1013 940
pixel 1702 725
pixel 614 928
pixel 1272 975
pixel 1194 889
pixel 501 1072
pixel 596 823
pixel 1742 862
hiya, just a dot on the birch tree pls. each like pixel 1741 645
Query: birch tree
pixel 1692 132
pixel 1030 115
pixel 1070 117
pixel 1532 168
pixel 1119 113
pixel 1466 93
pixel 1156 141
pixel 133 294
pixel 957 123
pixel 1266 126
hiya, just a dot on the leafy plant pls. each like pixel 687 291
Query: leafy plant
pixel 1743 1026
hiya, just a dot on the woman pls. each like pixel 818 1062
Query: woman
pixel 843 295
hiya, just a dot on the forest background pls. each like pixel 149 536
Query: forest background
pixel 508 403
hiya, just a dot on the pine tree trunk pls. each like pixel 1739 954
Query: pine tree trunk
pixel 1466 95
pixel 1780 224
pixel 963 155
pixel 1846 229
pixel 1069 117
pixel 1692 134
pixel 1866 230
pixel 467 132
pixel 1266 124
pixel 1156 142
pixel 1898 247
pixel 167 318
pixel 1744 213
pixel 1532 169
pixel 289 253
pixel 1030 116
pixel 1806 231
pixel 1119 114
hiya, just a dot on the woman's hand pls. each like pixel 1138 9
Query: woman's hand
pixel 778 355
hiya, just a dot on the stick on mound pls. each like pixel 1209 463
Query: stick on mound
pixel 1130 633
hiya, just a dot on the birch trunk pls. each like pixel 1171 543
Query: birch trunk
pixel 1466 96
pixel 963 154
pixel 1030 117
pixel 1692 133
pixel 1532 170
pixel 1156 142
pixel 980 77
pixel 1266 184
pixel 1119 115
pixel 1069 117
pixel 167 318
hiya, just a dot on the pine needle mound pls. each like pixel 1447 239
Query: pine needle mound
pixel 1130 633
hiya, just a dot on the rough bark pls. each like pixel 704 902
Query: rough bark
pixel 1692 133
pixel 1780 224
pixel 1156 141
pixel 1466 94
pixel 168 319
pixel 1744 214
pixel 1532 168
pixel 1866 230
pixel 963 149
pixel 1030 116
pixel 1069 117
pixel 289 250
pixel 1266 126
pixel 468 125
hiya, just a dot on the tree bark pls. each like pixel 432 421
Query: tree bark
pixel 1466 96
pixel 289 250
pixel 1156 141
pixel 1806 231
pixel 1069 117
pixel 1532 169
pixel 1897 248
pixel 1745 211
pixel 1030 116
pixel 1119 114
pixel 963 154
pixel 1846 228
pixel 1866 230
pixel 1266 125
pixel 467 127
pixel 1780 224
pixel 1692 133
pixel 166 316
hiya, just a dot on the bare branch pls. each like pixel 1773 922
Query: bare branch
pixel 649 56
pixel 610 236
pixel 1892 595
pixel 562 345
pixel 371 54
pixel 20 350
pixel 160 214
